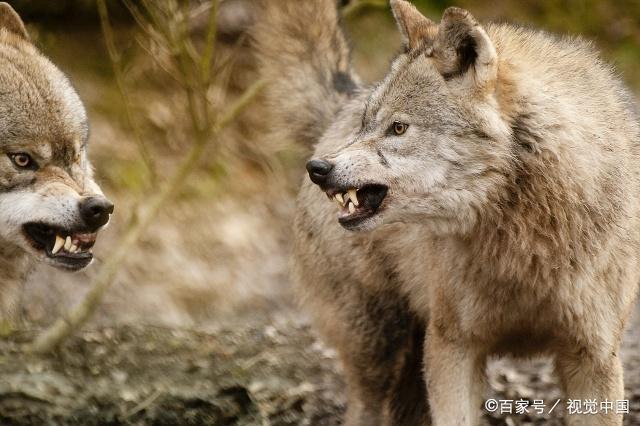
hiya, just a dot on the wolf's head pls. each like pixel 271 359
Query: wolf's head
pixel 430 145
pixel 50 205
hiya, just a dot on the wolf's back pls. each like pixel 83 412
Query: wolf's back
pixel 304 56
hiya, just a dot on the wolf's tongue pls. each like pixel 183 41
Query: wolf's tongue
pixel 84 239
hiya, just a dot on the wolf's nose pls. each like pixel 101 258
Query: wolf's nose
pixel 319 170
pixel 95 211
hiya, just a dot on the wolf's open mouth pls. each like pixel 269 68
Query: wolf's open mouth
pixel 358 204
pixel 68 249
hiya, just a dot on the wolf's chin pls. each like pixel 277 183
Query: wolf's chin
pixel 67 265
pixel 74 266
pixel 363 225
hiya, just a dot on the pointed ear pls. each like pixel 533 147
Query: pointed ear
pixel 417 30
pixel 10 20
pixel 463 48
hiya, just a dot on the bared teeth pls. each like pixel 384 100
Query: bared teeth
pixel 348 199
pixel 353 196
pixel 58 245
pixel 70 245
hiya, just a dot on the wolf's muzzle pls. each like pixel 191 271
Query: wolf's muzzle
pixel 95 212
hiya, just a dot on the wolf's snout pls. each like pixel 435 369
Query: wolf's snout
pixel 319 170
pixel 95 211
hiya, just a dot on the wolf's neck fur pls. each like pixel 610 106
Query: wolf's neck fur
pixel 551 217
pixel 15 265
pixel 544 226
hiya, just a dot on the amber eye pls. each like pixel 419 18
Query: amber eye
pixel 22 160
pixel 399 128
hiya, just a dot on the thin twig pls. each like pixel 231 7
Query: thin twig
pixel 144 404
pixel 158 62
pixel 210 42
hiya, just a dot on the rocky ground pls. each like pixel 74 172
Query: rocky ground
pixel 147 375
pixel 277 374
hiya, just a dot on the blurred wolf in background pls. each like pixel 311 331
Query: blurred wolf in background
pixel 50 207
pixel 492 181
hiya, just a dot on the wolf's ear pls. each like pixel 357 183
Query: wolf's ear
pixel 463 47
pixel 417 30
pixel 10 20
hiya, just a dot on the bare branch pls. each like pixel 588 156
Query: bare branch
pixel 210 42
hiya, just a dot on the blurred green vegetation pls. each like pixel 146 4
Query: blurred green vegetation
pixel 614 25
pixel 69 32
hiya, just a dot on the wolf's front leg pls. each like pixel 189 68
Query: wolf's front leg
pixel 380 344
pixel 584 377
pixel 455 380
pixel 383 366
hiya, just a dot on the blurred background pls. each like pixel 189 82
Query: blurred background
pixel 216 258
pixel 220 251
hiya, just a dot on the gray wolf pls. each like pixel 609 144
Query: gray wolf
pixel 51 209
pixel 483 200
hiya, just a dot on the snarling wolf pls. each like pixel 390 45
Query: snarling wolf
pixel 50 207
pixel 487 198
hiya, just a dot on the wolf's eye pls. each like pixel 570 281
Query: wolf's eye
pixel 399 128
pixel 22 160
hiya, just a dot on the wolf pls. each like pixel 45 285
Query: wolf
pixel 483 201
pixel 51 209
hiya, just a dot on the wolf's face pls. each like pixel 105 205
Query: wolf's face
pixel 431 146
pixel 50 205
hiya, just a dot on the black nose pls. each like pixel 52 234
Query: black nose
pixel 95 211
pixel 319 170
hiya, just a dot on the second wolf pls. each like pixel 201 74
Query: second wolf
pixel 51 208
pixel 488 203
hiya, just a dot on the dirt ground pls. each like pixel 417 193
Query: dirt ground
pixel 276 374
